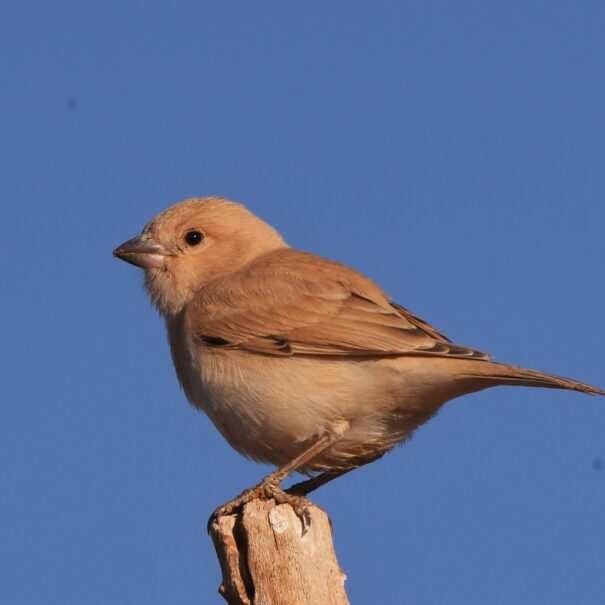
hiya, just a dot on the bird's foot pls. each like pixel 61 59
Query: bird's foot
pixel 265 491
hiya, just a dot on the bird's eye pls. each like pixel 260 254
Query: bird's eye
pixel 193 237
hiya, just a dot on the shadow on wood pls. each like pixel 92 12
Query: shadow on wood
pixel 266 560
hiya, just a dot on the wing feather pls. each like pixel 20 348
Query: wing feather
pixel 292 303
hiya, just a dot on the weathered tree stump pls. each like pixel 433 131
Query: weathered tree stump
pixel 267 560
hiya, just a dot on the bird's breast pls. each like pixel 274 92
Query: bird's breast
pixel 269 407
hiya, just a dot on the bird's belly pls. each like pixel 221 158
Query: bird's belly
pixel 271 408
pixel 267 408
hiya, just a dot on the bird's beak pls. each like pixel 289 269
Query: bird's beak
pixel 141 252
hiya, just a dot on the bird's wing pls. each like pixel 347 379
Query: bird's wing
pixel 292 303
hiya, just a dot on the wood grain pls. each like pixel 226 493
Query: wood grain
pixel 267 559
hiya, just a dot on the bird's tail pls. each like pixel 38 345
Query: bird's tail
pixel 489 373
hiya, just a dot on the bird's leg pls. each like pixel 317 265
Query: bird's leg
pixel 306 487
pixel 269 486
pixel 323 443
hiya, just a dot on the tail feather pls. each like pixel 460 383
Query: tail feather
pixel 504 374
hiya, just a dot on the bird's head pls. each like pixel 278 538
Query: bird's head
pixel 193 242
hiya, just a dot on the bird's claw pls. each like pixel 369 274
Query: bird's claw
pixel 265 491
pixel 299 504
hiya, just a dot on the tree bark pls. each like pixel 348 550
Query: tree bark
pixel 267 560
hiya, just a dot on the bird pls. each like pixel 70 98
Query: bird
pixel 299 361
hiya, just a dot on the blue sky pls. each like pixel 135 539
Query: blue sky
pixel 452 151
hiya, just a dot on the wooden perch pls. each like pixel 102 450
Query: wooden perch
pixel 265 559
